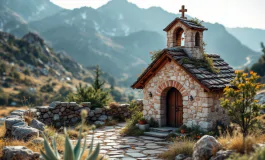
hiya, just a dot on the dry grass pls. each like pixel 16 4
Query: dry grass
pixel 235 142
pixel 5 111
pixel 176 148
pixel 49 131
pixel 86 127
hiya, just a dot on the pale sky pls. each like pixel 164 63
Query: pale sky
pixel 231 13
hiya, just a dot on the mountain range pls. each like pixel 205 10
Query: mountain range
pixel 118 36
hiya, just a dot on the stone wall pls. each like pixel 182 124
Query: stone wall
pixel 204 110
pixel 68 113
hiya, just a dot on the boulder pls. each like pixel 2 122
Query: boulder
pixel 37 124
pixel 205 148
pixel 10 121
pixel 19 112
pixel 19 152
pixel 222 155
pixel 23 132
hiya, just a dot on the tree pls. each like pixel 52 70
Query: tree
pixel 240 102
pixel 98 98
pixel 98 84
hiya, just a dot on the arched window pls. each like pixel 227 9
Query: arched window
pixel 179 37
pixel 197 39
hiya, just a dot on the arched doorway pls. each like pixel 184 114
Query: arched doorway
pixel 174 108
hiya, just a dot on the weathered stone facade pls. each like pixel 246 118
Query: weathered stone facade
pixel 68 113
pixel 189 46
pixel 204 110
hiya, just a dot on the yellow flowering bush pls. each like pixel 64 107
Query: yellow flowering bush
pixel 239 100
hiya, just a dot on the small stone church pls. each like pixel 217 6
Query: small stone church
pixel 177 91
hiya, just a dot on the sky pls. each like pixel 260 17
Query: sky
pixel 231 13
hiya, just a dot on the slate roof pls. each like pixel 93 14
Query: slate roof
pixel 186 22
pixel 212 81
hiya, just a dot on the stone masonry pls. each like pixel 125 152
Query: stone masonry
pixel 204 110
pixel 68 113
pixel 189 45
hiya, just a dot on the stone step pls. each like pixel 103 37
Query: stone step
pixel 163 129
pixel 157 134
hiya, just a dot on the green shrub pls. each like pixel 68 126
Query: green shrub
pixel 153 123
pixel 98 98
pixel 46 88
pixel 3 99
pixel 130 128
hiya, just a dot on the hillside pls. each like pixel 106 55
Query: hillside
pixel 249 36
pixel 30 69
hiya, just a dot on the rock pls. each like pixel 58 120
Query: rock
pixel 98 110
pixel 37 124
pixel 74 120
pixel 222 155
pixel 46 115
pixel 54 104
pixel 9 122
pixel 205 148
pixel 20 124
pixel 19 152
pixel 18 112
pixel 91 113
pixel 56 117
pixel 99 123
pixel 103 118
pixel 180 157
pixel 38 140
pixel 2 121
pixel 24 132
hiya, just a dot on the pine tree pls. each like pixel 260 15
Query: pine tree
pixel 98 84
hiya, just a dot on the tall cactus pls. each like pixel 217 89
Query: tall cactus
pixel 70 152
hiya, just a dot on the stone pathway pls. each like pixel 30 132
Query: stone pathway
pixel 114 146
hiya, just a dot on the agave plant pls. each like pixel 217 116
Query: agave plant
pixel 70 152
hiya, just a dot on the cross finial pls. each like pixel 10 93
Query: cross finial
pixel 183 10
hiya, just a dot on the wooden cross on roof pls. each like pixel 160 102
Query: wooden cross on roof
pixel 183 10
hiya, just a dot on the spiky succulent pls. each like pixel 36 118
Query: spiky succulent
pixel 70 152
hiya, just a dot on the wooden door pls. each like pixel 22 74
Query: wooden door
pixel 174 108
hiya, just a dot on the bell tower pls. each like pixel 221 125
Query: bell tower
pixel 187 34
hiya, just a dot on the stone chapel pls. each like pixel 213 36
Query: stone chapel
pixel 176 90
